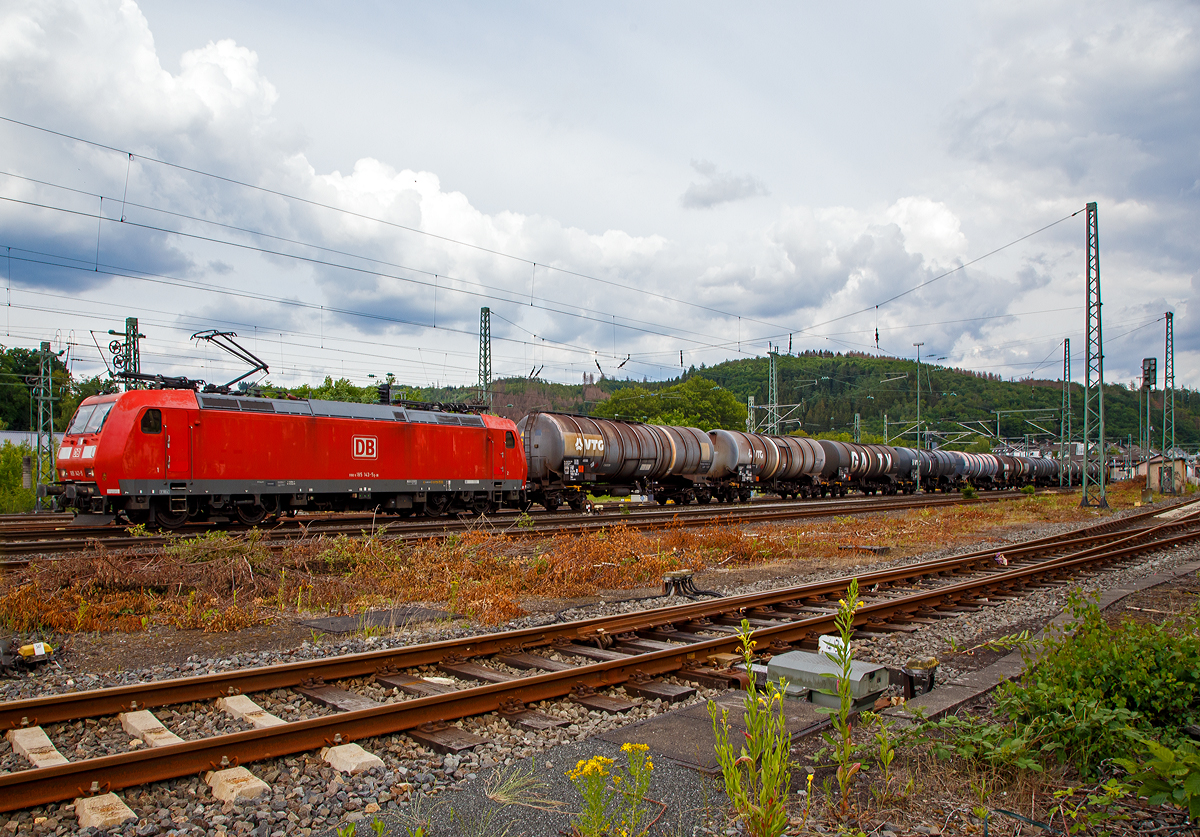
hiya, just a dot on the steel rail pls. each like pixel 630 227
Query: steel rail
pixel 350 523
pixel 67 541
pixel 74 779
pixel 75 705
pixel 31 526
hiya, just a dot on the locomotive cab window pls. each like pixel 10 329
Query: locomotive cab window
pixel 94 422
pixel 81 419
pixel 152 421
pixel 510 441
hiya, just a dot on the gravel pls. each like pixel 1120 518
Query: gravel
pixel 307 797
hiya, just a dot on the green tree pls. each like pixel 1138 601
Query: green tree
pixel 75 392
pixel 696 402
pixel 340 390
pixel 19 370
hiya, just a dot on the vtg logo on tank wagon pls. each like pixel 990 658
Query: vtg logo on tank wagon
pixel 365 447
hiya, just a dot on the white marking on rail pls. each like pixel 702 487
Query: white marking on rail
pixel 1171 514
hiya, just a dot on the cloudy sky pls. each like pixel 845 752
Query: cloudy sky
pixel 346 186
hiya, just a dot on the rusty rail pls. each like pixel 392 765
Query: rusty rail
pixel 41 786
pixel 64 539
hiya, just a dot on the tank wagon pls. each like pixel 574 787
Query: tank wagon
pixel 569 456
pixel 169 456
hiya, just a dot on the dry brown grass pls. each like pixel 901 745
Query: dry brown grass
pixel 221 582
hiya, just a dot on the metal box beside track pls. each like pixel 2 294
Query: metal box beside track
pixel 805 671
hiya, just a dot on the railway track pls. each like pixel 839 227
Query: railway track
pixel 564 661
pixel 60 538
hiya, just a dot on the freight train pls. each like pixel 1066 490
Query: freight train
pixel 571 456
pixel 167 456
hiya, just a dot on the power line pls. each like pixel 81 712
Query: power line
pixel 248 231
pixel 700 346
pixel 322 263
pixel 809 329
pixel 130 155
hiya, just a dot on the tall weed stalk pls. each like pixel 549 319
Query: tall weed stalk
pixel 757 770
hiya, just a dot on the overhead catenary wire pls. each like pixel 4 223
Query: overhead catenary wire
pixel 642 358
pixel 129 273
pixel 317 261
pixel 365 217
pixel 522 259
pixel 323 337
pixel 435 285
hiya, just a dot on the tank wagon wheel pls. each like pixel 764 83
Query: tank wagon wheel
pixel 577 502
pixel 524 505
pixel 552 504
pixel 704 498
pixel 168 519
pixel 250 514
pixel 661 499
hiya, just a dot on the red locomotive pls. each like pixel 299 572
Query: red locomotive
pixel 166 456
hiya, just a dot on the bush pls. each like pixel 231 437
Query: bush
pixel 1153 671
pixel 14 498
pixel 1095 693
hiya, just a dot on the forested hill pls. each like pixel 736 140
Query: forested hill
pixel 830 388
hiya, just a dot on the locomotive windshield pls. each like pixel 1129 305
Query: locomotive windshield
pixel 89 418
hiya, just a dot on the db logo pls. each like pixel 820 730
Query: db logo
pixel 365 447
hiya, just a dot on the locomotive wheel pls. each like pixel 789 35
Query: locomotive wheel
pixel 137 516
pixel 168 519
pixel 436 505
pixel 481 507
pixel 251 515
